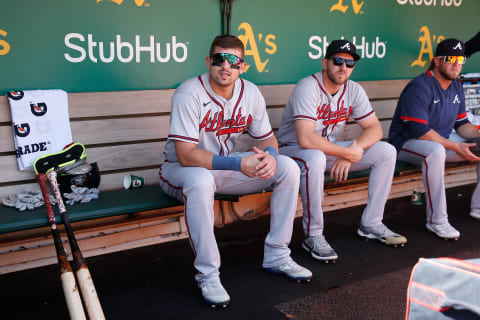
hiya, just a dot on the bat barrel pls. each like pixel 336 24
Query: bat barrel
pixel 72 296
pixel 70 289
pixel 89 293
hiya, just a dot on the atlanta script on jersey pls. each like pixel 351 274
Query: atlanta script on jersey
pixel 213 123
pixel 311 101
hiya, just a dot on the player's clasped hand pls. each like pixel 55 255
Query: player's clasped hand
pixel 260 164
pixel 267 166
pixel 356 153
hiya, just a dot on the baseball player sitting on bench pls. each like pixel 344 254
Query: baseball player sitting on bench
pixel 208 114
pixel 430 106
pixel 317 111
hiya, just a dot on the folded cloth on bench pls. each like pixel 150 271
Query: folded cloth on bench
pixel 40 122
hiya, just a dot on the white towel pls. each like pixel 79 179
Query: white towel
pixel 41 124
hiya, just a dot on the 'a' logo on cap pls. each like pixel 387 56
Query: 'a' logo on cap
pixel 346 45
pixel 458 46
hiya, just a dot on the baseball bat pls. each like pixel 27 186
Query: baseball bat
pixel 89 293
pixel 70 289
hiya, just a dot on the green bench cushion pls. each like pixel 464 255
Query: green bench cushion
pixel 120 202
pixel 110 203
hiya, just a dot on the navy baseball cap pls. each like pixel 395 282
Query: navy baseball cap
pixel 345 46
pixel 450 47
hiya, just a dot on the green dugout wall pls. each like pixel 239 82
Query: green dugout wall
pixel 112 45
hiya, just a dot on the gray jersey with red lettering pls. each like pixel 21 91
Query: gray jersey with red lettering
pixel 311 101
pixel 213 123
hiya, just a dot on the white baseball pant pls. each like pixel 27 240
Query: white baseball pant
pixel 196 186
pixel 379 158
pixel 431 156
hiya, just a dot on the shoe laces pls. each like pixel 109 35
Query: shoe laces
pixel 384 231
pixel 289 265
pixel 319 242
pixel 445 227
pixel 216 285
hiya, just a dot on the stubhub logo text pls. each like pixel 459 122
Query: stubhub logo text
pixel 142 49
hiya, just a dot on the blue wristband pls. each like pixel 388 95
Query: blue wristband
pixel 226 163
pixel 271 150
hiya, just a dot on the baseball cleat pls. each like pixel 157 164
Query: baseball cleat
pixel 444 230
pixel 214 293
pixel 382 234
pixel 475 213
pixel 292 270
pixel 319 249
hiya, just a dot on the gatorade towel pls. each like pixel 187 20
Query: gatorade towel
pixel 40 123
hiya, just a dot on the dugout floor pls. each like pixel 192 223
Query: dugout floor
pixel 369 280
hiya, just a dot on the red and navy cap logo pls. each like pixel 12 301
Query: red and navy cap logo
pixel 15 95
pixel 38 109
pixel 22 130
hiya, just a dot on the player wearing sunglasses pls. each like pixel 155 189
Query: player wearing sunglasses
pixel 209 113
pixel 429 108
pixel 310 132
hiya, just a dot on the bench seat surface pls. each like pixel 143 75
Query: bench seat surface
pixel 110 203
pixel 121 202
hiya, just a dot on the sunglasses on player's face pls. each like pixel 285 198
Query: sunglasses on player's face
pixel 452 59
pixel 218 59
pixel 337 61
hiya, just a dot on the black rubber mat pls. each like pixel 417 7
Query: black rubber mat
pixel 368 282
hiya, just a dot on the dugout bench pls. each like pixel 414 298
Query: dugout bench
pixel 125 132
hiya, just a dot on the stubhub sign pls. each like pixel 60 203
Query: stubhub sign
pixel 142 49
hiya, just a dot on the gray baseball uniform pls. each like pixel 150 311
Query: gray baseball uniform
pixel 311 101
pixel 213 123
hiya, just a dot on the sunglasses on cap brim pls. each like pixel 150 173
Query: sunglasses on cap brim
pixel 337 61
pixel 217 60
pixel 452 59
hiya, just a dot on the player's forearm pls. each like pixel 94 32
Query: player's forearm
pixel 468 131
pixel 270 142
pixel 432 135
pixel 315 141
pixel 195 157
pixel 369 137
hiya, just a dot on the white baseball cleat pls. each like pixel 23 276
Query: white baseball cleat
pixel 444 230
pixel 475 213
pixel 319 249
pixel 292 270
pixel 383 234
pixel 214 293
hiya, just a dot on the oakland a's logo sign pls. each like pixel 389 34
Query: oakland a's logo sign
pixel 15 95
pixel 38 109
pixel 23 130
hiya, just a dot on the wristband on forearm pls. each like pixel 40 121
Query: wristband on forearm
pixel 272 151
pixel 226 163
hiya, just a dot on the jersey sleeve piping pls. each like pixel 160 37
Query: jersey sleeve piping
pixel 413 119
pixel 462 116
pixel 265 136
pixel 365 116
pixel 182 138
pixel 304 117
